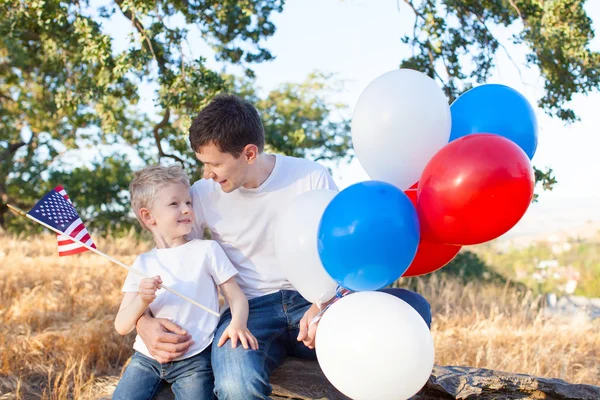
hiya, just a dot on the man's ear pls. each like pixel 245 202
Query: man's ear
pixel 250 153
pixel 147 217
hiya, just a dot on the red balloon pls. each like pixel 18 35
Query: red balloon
pixel 430 256
pixel 473 190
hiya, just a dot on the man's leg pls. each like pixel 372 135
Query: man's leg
pixel 140 381
pixel 298 306
pixel 415 300
pixel 244 374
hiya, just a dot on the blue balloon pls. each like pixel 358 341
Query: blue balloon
pixel 368 235
pixel 496 109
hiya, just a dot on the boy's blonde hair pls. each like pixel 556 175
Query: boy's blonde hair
pixel 148 181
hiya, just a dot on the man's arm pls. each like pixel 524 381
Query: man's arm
pixel 320 180
pixel 307 331
pixel 164 339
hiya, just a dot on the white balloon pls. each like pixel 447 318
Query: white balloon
pixel 372 345
pixel 400 121
pixel 296 245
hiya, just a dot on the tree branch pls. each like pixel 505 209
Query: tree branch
pixel 11 150
pixel 164 122
pixel 29 35
pixel 4 197
pixel 149 43
pixel 411 5
pixel 13 147
pixel 5 97
pixel 513 5
pixel 482 22
pixel 427 42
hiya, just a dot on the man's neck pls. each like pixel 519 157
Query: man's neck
pixel 262 169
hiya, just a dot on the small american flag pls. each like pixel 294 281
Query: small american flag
pixel 56 210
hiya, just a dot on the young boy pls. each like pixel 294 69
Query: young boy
pixel 161 200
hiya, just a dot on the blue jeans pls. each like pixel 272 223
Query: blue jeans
pixel 274 320
pixel 191 378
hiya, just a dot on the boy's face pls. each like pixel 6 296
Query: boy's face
pixel 171 214
pixel 229 172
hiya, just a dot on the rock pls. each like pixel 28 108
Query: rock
pixel 303 380
pixel 479 383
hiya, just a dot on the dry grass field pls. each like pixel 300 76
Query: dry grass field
pixel 57 339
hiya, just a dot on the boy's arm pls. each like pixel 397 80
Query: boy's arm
pixel 134 304
pixel 238 304
pixel 132 307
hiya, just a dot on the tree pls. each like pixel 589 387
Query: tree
pixel 556 33
pixel 69 87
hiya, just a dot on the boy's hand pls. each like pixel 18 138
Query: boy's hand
pixel 148 287
pixel 239 331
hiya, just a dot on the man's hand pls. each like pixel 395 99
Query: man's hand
pixel 307 334
pixel 237 331
pixel 164 339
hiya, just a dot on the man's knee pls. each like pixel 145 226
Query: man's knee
pixel 232 387
pixel 239 373
pixel 415 300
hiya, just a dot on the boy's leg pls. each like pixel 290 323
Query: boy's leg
pixel 244 374
pixel 140 381
pixel 193 378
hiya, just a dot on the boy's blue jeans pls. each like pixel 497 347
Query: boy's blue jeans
pixel 274 320
pixel 191 378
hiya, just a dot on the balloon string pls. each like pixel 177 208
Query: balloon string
pixel 339 293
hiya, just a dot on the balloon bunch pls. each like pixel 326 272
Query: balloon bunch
pixel 442 177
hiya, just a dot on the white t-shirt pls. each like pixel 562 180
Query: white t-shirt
pixel 191 269
pixel 244 221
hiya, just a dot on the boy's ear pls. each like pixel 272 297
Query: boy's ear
pixel 146 217
pixel 250 153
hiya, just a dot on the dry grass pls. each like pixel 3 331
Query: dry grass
pixel 57 339
pixel 56 318
pixel 499 328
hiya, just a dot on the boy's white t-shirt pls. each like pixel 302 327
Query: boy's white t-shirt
pixel 192 269
pixel 243 222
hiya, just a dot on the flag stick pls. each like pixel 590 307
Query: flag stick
pixel 24 214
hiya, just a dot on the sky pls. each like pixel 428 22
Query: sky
pixel 358 40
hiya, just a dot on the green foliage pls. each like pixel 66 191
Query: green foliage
pixel 453 41
pixel 299 120
pixel 467 266
pixel 66 88
pixel 576 259
pixel 556 33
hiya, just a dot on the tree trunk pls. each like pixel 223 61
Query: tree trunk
pixel 6 159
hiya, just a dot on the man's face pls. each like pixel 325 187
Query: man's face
pixel 229 172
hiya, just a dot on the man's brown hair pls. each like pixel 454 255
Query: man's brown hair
pixel 230 123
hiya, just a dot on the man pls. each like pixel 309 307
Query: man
pixel 238 201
